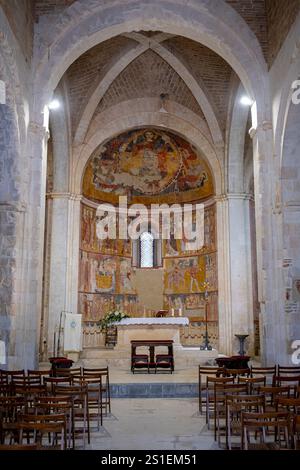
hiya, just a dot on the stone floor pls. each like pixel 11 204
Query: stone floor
pixel 144 424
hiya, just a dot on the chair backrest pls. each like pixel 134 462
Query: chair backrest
pixel 290 404
pixel 260 422
pixel 44 424
pixel 271 393
pixel 62 372
pixel 96 371
pixel 12 373
pixel 263 370
pixel 253 382
pixel 291 380
pixel 286 370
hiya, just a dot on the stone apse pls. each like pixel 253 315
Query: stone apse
pixel 148 166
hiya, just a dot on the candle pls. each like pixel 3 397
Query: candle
pixel 180 312
pixel 172 312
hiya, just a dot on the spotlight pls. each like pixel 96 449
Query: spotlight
pixel 246 101
pixel 54 104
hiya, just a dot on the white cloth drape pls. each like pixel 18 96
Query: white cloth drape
pixel 73 332
pixel 2 353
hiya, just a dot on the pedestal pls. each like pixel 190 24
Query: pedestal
pixel 241 339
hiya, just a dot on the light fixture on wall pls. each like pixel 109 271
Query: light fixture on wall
pixel 246 101
pixel 54 104
pixel 163 98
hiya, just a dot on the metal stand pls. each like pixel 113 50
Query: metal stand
pixel 206 346
pixel 241 339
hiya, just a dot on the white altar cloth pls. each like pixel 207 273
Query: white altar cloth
pixel 182 321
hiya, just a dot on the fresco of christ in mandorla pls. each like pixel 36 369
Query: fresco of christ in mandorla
pixel 147 165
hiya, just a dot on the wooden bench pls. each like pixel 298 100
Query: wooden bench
pixel 152 361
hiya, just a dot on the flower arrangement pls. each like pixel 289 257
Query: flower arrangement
pixel 112 317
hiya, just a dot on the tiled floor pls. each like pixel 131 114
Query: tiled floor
pixel 153 424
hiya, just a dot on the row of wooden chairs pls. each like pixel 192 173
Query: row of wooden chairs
pixel 37 378
pixel 80 394
pixel 227 397
pixel 255 375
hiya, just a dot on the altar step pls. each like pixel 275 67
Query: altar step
pixel 154 390
pixel 183 357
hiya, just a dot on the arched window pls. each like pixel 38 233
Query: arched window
pixel 146 250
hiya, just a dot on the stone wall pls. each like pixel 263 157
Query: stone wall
pixel 20 16
pixel 281 14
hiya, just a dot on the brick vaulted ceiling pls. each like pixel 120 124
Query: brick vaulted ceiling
pixel 149 75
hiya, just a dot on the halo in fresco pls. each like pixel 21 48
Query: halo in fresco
pixel 146 163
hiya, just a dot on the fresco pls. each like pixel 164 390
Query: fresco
pixel 93 307
pixel 147 165
pixel 184 275
pixel 173 247
pixel 90 242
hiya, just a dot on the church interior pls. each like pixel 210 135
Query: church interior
pixel 117 328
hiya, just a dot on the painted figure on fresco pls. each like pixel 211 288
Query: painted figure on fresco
pixel 126 276
pixel 106 275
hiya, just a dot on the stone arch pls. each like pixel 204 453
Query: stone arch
pixel 214 24
pixel 132 115
pixel 235 169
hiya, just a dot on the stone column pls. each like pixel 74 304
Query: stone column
pixel 272 320
pixel 234 272
pixel 64 258
pixel 28 327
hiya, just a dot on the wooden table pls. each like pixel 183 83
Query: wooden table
pixel 152 361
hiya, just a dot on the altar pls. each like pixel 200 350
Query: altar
pixel 140 328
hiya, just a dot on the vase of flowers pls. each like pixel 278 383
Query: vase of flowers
pixel 111 318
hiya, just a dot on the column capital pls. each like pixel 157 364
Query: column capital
pixel 230 196
pixel 263 126
pixel 66 195
pixel 38 130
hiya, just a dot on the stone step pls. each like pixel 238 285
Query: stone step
pixel 154 390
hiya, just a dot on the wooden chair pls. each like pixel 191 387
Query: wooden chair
pixel 52 382
pixel 50 424
pixel 104 372
pixel 221 390
pixel 271 394
pixel 58 405
pixel 254 383
pixel 79 394
pixel 11 407
pixel 267 372
pixel 210 394
pixel 235 405
pixel 203 372
pixel 94 388
pixel 292 381
pixel 39 373
pixel 259 424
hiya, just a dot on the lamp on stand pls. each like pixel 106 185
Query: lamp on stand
pixel 206 346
